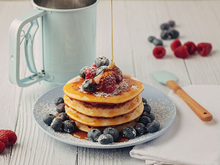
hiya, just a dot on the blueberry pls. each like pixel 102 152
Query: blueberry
pixel 173 34
pixel 105 139
pixel 57 124
pixel 144 100
pixel 144 119
pixel 61 108
pixel 112 131
pixel 69 126
pixel 63 116
pixel 147 109
pixel 100 69
pixel 171 23
pixel 88 85
pixel 164 26
pixel 164 35
pixel 157 42
pixel 94 134
pixel 153 127
pixel 150 116
pixel 129 132
pixel 151 38
pixel 101 61
pixel 58 101
pixel 140 129
pixel 82 72
pixel 48 118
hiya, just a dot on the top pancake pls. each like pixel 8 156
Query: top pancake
pixel 128 89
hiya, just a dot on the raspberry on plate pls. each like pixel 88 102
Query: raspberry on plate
pixel 10 135
pixel 2 147
pixel 204 48
pixel 191 47
pixel 175 44
pixel 181 52
pixel 159 52
pixel 90 72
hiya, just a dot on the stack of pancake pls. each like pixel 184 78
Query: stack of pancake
pixel 119 109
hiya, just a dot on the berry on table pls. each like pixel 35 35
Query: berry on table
pixel 109 83
pixel 105 139
pixel 57 124
pixel 8 137
pixel 94 134
pixel 190 47
pixel 144 100
pixel 58 101
pixel 171 23
pixel 153 127
pixel 144 120
pixel 101 61
pixel 63 116
pixel 147 108
pixel 150 116
pixel 173 34
pixel 129 132
pixel 181 52
pixel 48 118
pixel 88 85
pixel 82 72
pixel 112 131
pixel 140 129
pixel 175 44
pixel 61 108
pixel 2 147
pixel 151 38
pixel 69 126
pixel 164 35
pixel 204 48
pixel 159 51
pixel 90 72
pixel 164 26
pixel 157 42
pixel 4 138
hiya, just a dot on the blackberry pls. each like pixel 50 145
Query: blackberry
pixel 144 120
pixel 88 86
pixel 129 132
pixel 153 127
pixel 171 23
pixel 105 139
pixel 57 124
pixel 48 118
pixel 164 35
pixel 112 131
pixel 164 26
pixel 58 100
pixel 173 34
pixel 82 72
pixel 101 61
pixel 94 134
pixel 63 116
pixel 140 129
pixel 69 126
pixel 151 38
pixel 61 108
pixel 157 42
pixel 100 69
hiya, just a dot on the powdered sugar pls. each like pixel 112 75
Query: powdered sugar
pixel 133 87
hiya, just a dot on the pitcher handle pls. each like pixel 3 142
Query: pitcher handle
pixel 14 48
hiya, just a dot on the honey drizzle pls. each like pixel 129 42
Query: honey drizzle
pixel 112 31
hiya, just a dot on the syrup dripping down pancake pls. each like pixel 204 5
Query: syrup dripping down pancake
pixel 129 87
pixel 103 110
pixel 104 122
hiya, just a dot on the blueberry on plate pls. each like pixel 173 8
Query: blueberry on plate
pixel 147 109
pixel 129 132
pixel 112 131
pixel 69 126
pixel 101 61
pixel 150 116
pixel 153 126
pixel 140 129
pixel 94 134
pixel 164 35
pixel 151 38
pixel 100 69
pixel 63 116
pixel 144 120
pixel 58 101
pixel 171 23
pixel 88 85
pixel 164 26
pixel 173 34
pixel 144 100
pixel 157 42
pixel 57 124
pixel 105 139
pixel 82 72
pixel 61 108
pixel 48 118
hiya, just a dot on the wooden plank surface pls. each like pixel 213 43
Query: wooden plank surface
pixel 134 21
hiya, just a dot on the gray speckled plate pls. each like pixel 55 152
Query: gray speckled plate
pixel 161 105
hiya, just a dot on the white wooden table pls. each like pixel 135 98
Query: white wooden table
pixel 134 21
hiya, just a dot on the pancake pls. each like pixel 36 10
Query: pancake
pixel 128 89
pixel 86 128
pixel 103 110
pixel 104 122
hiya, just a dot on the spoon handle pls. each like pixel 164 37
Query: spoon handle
pixel 201 112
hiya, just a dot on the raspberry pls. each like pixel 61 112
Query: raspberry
pixel 94 65
pixel 109 83
pixel 159 52
pixel 204 48
pixel 175 44
pixel 10 135
pixel 191 47
pixel 2 147
pixel 181 52
pixel 118 76
pixel 90 72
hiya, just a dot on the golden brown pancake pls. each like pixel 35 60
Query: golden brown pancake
pixel 128 89
pixel 104 122
pixel 103 110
